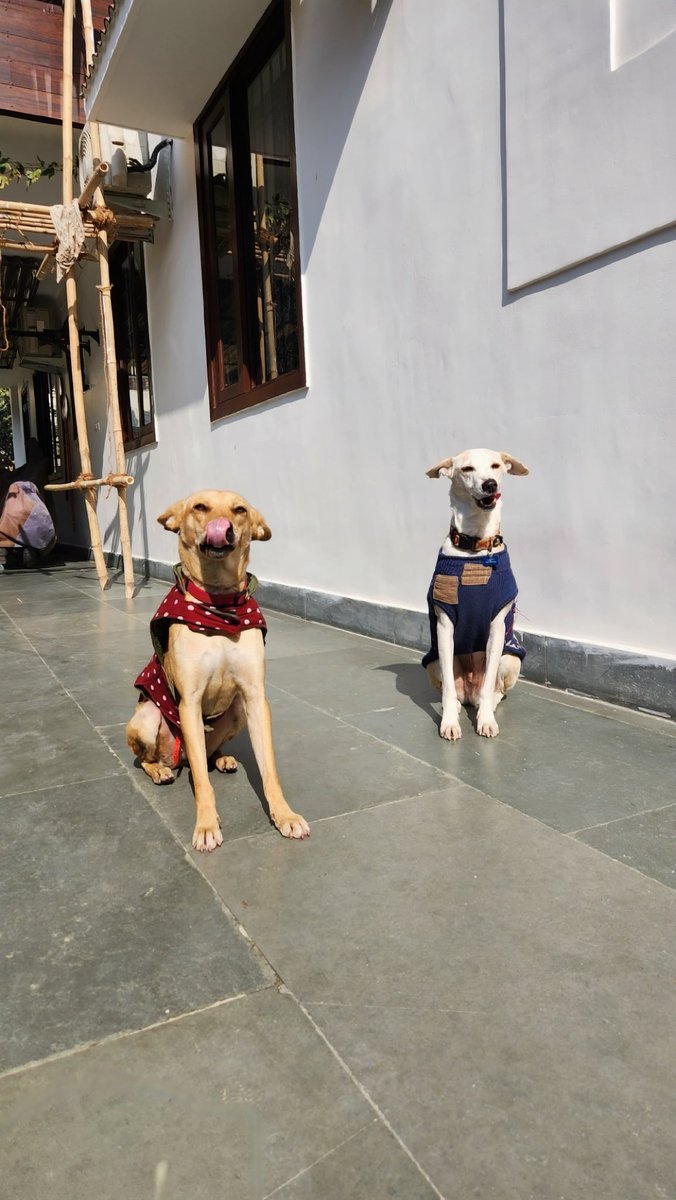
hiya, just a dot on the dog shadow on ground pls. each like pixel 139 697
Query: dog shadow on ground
pixel 411 680
pixel 241 749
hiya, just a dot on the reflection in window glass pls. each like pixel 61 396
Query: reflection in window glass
pixel 132 341
pixel 55 423
pixel 271 183
pixel 220 192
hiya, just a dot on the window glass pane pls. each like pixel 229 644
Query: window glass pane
pixel 130 356
pixel 54 401
pixel 132 339
pixel 269 141
pixel 142 335
pixel 227 296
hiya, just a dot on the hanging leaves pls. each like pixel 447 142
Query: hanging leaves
pixel 11 171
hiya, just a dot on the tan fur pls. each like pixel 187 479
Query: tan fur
pixel 214 674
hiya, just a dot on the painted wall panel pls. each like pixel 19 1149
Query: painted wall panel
pixel 415 350
pixel 589 161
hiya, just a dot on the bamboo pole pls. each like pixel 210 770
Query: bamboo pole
pixel 108 334
pixel 37 219
pixel 92 184
pixel 71 293
pixel 110 480
pixel 46 250
pixel 266 278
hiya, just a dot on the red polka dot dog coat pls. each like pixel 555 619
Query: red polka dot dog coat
pixel 203 612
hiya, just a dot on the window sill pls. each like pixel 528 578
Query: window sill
pixel 239 401
pixel 144 441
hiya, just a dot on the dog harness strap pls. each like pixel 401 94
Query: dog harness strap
pixel 465 541
pixel 178 746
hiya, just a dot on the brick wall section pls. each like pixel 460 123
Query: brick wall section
pixel 31 48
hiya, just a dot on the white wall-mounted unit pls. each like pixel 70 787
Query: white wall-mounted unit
pixel 119 147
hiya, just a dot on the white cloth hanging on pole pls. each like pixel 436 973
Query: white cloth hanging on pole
pixel 67 221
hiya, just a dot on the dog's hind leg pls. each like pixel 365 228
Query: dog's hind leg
pixel 224 728
pixel 149 737
pixel 509 670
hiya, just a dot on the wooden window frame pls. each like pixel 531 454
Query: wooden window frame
pixel 273 29
pixel 146 435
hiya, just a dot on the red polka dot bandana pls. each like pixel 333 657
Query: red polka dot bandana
pixel 203 612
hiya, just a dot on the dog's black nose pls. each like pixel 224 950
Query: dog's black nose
pixel 489 485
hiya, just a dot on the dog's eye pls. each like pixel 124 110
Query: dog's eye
pixel 467 468
pixel 240 510
pixel 495 466
pixel 200 508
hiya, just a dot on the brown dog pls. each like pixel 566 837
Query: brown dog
pixel 215 672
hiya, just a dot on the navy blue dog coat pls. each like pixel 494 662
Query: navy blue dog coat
pixel 472 592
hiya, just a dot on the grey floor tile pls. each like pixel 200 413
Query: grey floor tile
pixel 47 740
pixel 98 669
pixel 485 979
pixel 449 900
pixel 565 766
pixel 360 678
pixel 290 636
pixel 371 1164
pixel 600 708
pixel 646 842
pixel 521 1102
pixel 232 1102
pixel 52 627
pixel 106 926
pixel 42 602
pixel 144 602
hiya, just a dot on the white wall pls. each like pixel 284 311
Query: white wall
pixel 415 350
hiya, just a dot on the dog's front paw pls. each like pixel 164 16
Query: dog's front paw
pixel 450 730
pixel 486 724
pixel 292 825
pixel 207 835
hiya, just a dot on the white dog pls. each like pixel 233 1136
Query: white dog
pixel 475 656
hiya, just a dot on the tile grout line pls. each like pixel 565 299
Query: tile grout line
pixel 322 1158
pixel 44 662
pixel 663 726
pixel 121 1034
pixel 366 1095
pixel 54 787
pixel 644 812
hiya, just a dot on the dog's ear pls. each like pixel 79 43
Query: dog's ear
pixel 171 518
pixel 513 465
pixel 442 468
pixel 260 531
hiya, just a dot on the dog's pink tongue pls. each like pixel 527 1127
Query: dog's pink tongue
pixel 217 532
